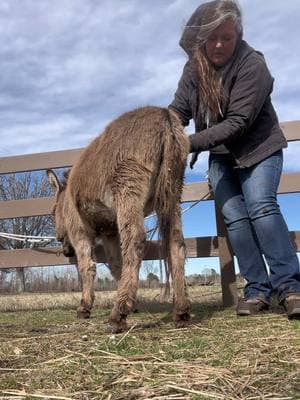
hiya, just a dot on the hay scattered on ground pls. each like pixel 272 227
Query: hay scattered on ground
pixel 52 355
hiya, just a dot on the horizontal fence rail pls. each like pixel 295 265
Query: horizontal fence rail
pixel 205 246
pixel 212 246
pixel 289 183
pixel 66 158
pixel 39 161
pixel 196 247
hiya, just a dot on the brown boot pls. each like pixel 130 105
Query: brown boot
pixel 251 306
pixel 292 305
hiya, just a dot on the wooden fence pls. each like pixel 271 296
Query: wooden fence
pixel 212 246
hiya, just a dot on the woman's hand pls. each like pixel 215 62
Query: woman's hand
pixel 193 150
pixel 194 159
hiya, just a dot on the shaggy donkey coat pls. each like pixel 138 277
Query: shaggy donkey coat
pixel 134 167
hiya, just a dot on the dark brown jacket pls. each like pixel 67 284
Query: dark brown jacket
pixel 249 127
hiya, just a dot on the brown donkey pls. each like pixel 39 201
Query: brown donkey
pixel 134 167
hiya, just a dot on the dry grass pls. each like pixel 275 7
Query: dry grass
pixel 49 354
pixel 71 300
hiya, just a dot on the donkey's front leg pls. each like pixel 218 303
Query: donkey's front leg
pixel 87 269
pixel 111 244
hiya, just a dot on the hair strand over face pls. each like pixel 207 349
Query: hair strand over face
pixel 213 14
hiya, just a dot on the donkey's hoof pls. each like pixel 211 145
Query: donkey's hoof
pixel 116 327
pixel 83 314
pixel 117 323
pixel 182 320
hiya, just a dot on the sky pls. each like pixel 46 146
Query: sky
pixel 68 67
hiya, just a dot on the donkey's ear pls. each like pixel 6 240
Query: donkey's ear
pixel 53 180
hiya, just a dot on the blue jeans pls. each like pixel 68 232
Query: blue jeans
pixel 255 225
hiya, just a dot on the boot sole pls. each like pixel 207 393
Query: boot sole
pixel 294 314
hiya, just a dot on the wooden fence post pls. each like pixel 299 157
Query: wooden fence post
pixel 228 279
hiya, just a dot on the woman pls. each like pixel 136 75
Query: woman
pixel 225 88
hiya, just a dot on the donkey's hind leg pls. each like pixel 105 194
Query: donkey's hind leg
pixel 132 240
pixel 181 304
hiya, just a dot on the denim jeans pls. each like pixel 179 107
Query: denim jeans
pixel 255 225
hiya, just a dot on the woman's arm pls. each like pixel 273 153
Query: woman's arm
pixel 252 87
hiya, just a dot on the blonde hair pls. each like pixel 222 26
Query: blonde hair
pixel 213 14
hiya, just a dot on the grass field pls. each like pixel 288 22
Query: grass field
pixel 50 354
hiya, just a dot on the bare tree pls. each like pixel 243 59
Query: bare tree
pixel 18 187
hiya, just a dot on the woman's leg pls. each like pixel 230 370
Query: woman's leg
pixel 228 195
pixel 259 184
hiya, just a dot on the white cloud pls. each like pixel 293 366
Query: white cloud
pixel 69 66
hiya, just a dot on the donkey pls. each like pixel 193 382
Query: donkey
pixel 136 166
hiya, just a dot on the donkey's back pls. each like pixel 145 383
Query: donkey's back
pixel 134 146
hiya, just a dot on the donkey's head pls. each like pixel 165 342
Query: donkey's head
pixel 60 214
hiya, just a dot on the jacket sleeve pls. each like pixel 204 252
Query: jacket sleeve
pixel 181 102
pixel 250 90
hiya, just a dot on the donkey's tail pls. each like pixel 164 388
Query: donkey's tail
pixel 169 184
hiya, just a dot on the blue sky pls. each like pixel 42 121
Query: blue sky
pixel 70 66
